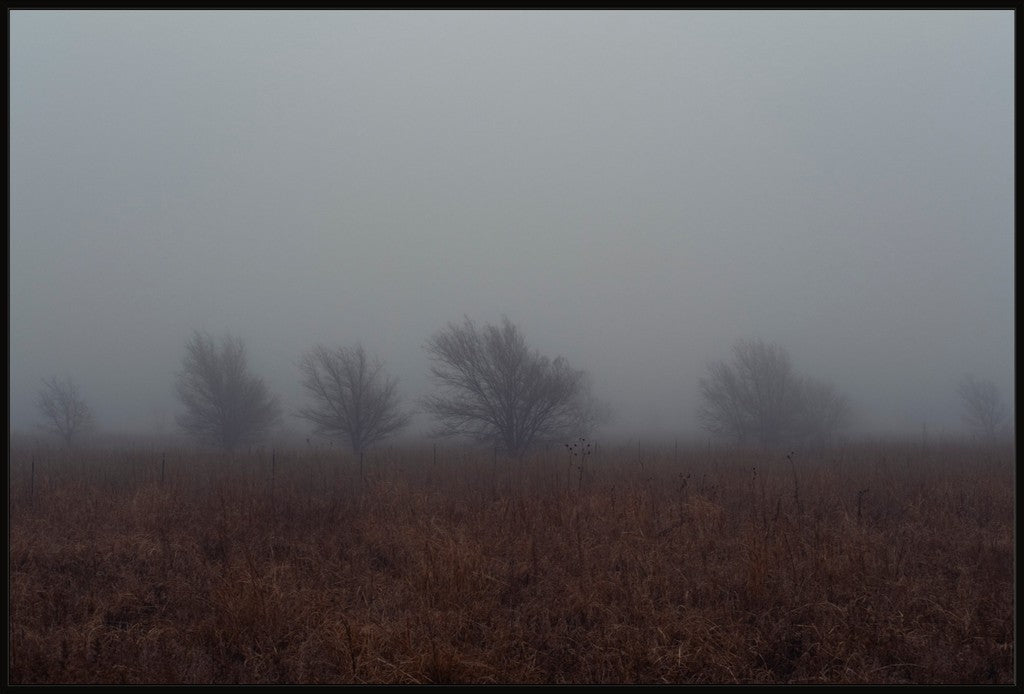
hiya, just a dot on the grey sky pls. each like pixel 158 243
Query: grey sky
pixel 636 190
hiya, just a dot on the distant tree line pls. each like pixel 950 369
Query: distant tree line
pixel 491 388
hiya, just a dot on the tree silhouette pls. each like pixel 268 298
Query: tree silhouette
pixel 983 408
pixel 353 397
pixel 759 397
pixel 224 404
pixel 497 391
pixel 64 411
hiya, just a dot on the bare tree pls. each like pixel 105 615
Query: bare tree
pixel 758 396
pixel 353 397
pixel 496 390
pixel 824 410
pixel 724 410
pixel 224 404
pixel 64 411
pixel 983 408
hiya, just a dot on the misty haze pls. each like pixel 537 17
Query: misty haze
pixel 635 190
pixel 391 248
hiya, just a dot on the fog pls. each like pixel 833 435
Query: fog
pixel 635 190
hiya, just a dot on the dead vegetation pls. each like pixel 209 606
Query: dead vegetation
pixel 876 564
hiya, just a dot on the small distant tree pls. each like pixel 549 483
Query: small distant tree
pixel 64 412
pixel 756 396
pixel 759 397
pixel 225 405
pixel 983 407
pixel 353 398
pixel 495 390
pixel 824 410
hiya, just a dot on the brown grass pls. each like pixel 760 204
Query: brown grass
pixel 682 568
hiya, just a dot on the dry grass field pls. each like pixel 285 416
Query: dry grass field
pixel 871 564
